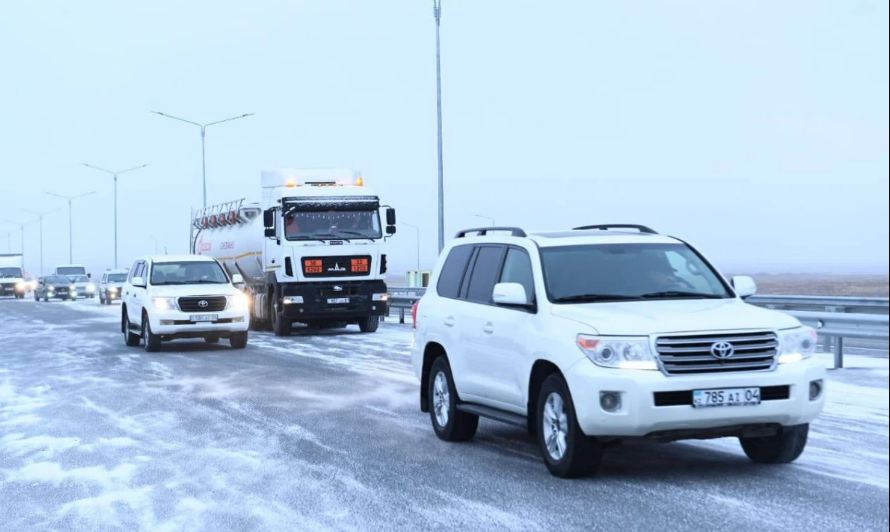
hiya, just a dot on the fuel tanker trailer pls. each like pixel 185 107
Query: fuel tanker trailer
pixel 311 252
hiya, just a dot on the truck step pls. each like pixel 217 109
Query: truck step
pixel 493 413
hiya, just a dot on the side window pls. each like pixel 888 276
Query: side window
pixel 485 273
pixel 453 271
pixel 518 269
pixel 133 270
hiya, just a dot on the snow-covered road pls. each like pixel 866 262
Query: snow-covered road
pixel 323 432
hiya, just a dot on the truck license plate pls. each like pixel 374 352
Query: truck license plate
pixel 725 397
pixel 337 300
pixel 203 317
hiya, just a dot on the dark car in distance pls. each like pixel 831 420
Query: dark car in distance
pixel 54 287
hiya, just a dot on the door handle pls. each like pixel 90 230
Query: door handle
pixel 449 321
pixel 488 328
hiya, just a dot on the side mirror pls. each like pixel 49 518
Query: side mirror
pixel 510 294
pixel 269 232
pixel 237 278
pixel 744 286
pixel 138 281
pixel 390 216
pixel 89 276
pixel 269 218
pixel 390 229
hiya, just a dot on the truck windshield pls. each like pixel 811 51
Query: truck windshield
pixel 628 272
pixel 188 272
pixel 79 278
pixel 71 270
pixel 322 225
pixel 10 272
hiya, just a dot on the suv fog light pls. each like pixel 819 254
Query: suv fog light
pixel 292 300
pixel 610 401
pixel 379 297
pixel 815 389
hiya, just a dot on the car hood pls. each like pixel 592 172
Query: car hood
pixel 195 290
pixel 673 316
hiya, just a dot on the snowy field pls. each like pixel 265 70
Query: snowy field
pixel 323 432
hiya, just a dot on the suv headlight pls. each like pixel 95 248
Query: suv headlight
pixel 164 303
pixel 796 344
pixel 622 352
pixel 91 287
pixel 238 302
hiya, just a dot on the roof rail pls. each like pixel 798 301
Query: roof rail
pixel 482 231
pixel 606 227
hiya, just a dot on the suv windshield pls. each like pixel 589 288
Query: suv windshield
pixel 79 279
pixel 188 272
pixel 57 279
pixel 116 278
pixel 312 225
pixel 10 272
pixel 626 272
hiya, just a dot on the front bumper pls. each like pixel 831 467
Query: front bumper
pixel 639 416
pixel 316 297
pixel 177 324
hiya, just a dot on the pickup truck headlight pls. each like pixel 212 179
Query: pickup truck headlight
pixel 164 303
pixel 796 344
pixel 622 352
pixel 239 302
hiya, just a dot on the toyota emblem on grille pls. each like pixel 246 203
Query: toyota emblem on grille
pixel 338 288
pixel 203 303
pixel 722 350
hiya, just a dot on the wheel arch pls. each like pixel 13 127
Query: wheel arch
pixel 431 352
pixel 541 369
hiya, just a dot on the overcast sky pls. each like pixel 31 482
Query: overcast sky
pixel 757 130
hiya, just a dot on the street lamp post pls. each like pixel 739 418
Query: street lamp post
pixel 437 14
pixel 203 127
pixel 70 222
pixel 417 234
pixel 40 216
pixel 114 174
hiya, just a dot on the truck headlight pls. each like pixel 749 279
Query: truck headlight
pixel 91 288
pixel 239 302
pixel 21 285
pixel 622 352
pixel 796 344
pixel 164 303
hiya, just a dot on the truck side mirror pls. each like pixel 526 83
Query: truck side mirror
pixel 390 216
pixel 269 219
pixel 270 232
pixel 390 230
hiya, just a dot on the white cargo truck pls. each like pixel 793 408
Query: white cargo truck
pixel 311 251
pixel 12 275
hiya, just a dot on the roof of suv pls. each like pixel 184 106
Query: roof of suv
pixel 605 234
pixel 178 258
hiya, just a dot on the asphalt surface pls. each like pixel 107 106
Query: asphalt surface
pixel 323 431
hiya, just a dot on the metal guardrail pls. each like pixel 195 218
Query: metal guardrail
pixel 835 318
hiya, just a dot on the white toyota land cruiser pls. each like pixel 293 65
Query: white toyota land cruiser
pixel 603 333
pixel 186 296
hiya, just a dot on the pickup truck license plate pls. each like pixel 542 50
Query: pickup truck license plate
pixel 337 300
pixel 725 397
pixel 203 317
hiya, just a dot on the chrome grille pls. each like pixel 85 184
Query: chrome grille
pixel 682 355
pixel 193 304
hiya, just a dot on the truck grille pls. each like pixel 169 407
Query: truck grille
pixel 682 355
pixel 210 304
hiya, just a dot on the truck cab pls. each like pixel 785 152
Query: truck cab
pixel 12 281
pixel 312 251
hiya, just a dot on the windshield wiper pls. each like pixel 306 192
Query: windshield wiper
pixel 590 298
pixel 680 294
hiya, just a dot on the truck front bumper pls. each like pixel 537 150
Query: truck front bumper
pixel 638 414
pixel 334 301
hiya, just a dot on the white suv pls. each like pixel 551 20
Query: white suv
pixel 187 296
pixel 603 333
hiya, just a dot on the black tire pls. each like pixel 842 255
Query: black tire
pixel 280 325
pixel 130 339
pixel 369 324
pixel 782 448
pixel 458 426
pixel 150 341
pixel 211 339
pixel 581 454
pixel 238 340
